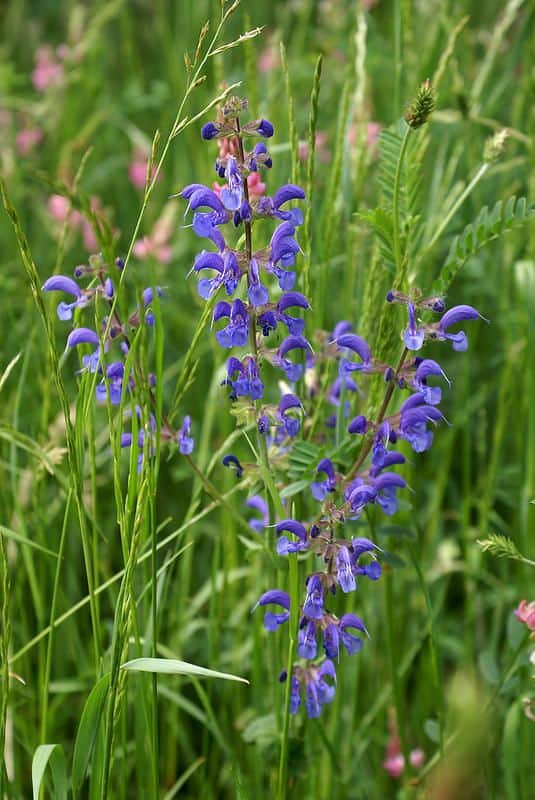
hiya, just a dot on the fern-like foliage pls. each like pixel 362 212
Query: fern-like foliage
pixel 381 221
pixel 390 144
pixel 487 226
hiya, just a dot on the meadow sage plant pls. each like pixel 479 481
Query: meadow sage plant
pixel 259 280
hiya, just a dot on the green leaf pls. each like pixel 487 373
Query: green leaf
pixel 262 731
pixel 294 488
pixel 397 531
pixel 488 667
pixel 172 666
pixel 432 730
pixel 486 227
pixel 393 560
pixel 54 754
pixel 88 730
pixel 18 537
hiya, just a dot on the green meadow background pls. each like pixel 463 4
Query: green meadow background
pixel 445 650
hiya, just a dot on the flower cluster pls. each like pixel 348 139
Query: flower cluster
pixel 110 345
pixel 525 613
pixel 246 313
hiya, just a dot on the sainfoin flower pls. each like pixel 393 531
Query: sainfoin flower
pixel 526 614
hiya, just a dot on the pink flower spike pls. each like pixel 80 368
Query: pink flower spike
pixel 48 71
pixel 417 758
pixel 27 139
pixel 137 171
pixel 59 207
pixel 526 614
pixel 394 765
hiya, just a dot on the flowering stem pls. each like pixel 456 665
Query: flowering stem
pixel 260 440
pixel 394 661
pixel 293 623
pixel 395 207
pixel 367 446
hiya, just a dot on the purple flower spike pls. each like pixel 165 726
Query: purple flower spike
pixel 185 441
pixel 413 336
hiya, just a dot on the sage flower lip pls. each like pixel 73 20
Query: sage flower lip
pixel 284 544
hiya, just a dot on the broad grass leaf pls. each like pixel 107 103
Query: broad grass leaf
pixel 172 666
pixel 87 730
pixel 54 754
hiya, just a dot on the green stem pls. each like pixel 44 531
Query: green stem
pixel 293 623
pixel 398 65
pixel 396 234
pixel 394 674
pixel 458 203
pixel 4 652
pixel 48 659
pixel 367 446
pixel 432 648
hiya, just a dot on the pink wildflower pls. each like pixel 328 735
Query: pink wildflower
pixel 526 614
pixel 27 139
pixel 394 762
pixel 373 129
pixel 268 60
pixel 156 245
pixel 227 147
pixel 256 187
pixel 137 171
pixel 48 71
pixel 322 151
pixel 6 118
